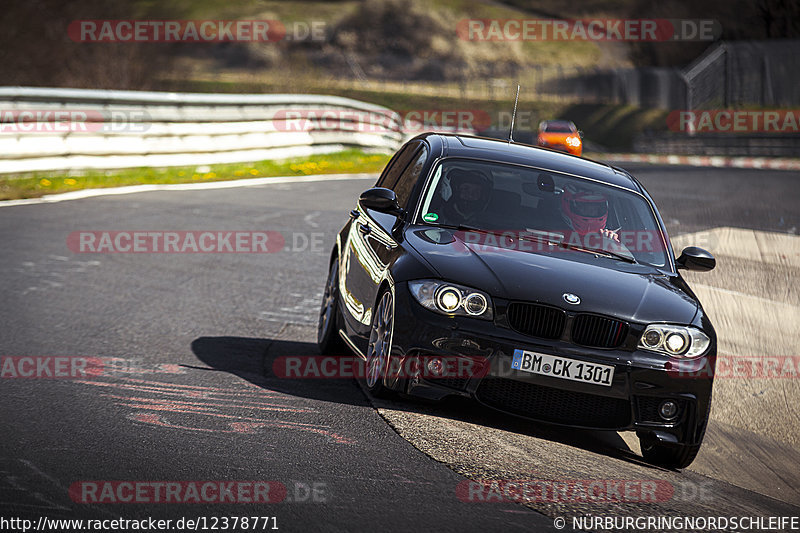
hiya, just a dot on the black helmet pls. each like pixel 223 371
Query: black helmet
pixel 471 189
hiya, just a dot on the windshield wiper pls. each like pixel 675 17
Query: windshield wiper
pixel 465 227
pixel 541 236
pixel 601 251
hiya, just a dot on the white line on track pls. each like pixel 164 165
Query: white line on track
pixel 132 189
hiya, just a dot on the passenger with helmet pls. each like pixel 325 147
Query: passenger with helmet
pixel 586 212
pixel 471 191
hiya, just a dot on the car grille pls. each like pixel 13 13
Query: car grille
pixel 598 331
pixel 554 405
pixel 537 320
pixel 647 409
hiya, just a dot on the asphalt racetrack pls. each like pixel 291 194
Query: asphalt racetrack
pixel 188 394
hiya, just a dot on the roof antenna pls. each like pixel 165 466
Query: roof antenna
pixel 513 116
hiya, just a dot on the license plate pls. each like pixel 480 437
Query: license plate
pixel 562 367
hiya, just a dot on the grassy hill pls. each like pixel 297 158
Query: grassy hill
pixel 405 54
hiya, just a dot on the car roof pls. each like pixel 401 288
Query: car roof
pixel 454 145
pixel 559 122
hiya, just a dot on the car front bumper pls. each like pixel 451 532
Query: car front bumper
pixel 478 355
pixel 574 150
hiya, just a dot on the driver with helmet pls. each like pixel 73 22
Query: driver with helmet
pixel 586 212
pixel 471 193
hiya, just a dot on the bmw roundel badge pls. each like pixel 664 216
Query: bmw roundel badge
pixel 571 298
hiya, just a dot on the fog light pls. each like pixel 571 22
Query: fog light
pixel 435 366
pixel 668 409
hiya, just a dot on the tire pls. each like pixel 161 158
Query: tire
pixel 668 456
pixel 328 340
pixel 380 346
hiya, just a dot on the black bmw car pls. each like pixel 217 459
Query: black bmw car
pixel 538 283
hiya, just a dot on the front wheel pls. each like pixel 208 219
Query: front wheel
pixel 328 340
pixel 380 346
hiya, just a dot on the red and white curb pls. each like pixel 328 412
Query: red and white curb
pixel 769 163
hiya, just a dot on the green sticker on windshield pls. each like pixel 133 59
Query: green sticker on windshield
pixel 430 217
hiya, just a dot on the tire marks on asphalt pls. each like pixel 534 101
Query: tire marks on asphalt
pixel 242 408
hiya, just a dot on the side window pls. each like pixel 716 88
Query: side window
pixel 409 178
pixel 397 165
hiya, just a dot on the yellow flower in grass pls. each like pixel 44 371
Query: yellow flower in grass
pixel 238 172
pixel 210 175
pixel 181 173
pixel 254 172
pixel 196 177
pixel 70 181
pixel 44 182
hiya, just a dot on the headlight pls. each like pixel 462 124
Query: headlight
pixel 574 141
pixel 451 299
pixel 675 341
pixel 448 299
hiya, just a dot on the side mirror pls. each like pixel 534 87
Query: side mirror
pixel 694 258
pixel 580 134
pixel 546 183
pixel 380 199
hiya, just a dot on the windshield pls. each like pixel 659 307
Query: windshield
pixel 526 204
pixel 558 127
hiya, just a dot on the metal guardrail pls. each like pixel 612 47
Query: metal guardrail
pixel 124 129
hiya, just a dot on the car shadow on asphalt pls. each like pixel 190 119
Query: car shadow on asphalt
pixel 260 362
pixel 253 359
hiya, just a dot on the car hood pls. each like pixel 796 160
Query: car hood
pixel 637 293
